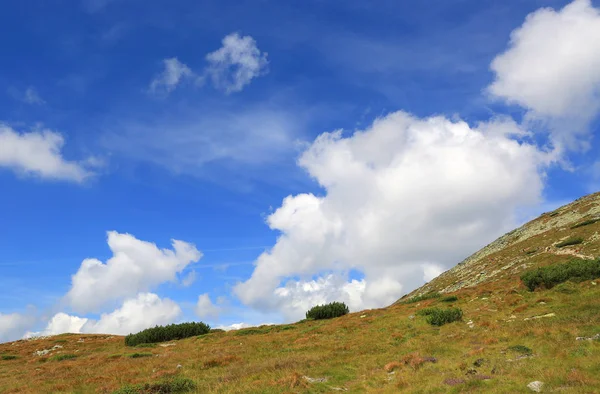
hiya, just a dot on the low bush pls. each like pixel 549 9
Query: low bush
pixel 62 357
pixel 167 333
pixel 327 311
pixel 439 317
pixel 521 349
pixel 8 357
pixel 450 299
pixel 428 296
pixel 216 330
pixel 139 355
pixel 576 270
pixel 170 386
pixel 569 242
pixel 586 223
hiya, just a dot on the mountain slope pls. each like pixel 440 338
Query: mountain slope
pixel 508 337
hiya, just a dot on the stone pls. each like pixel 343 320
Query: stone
pixel 536 386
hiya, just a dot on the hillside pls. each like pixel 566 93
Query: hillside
pixel 508 337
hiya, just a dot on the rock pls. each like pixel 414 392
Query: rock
pixel 411 317
pixel 536 386
pixel 540 317
pixel 592 338
pixel 478 362
pixel 471 371
pixel 41 352
pixel 56 347
pixel 169 344
pixel 594 283
pixel 179 366
pixel 471 324
pixel 314 380
pixel 363 316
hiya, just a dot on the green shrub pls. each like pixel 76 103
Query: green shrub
pixel 569 242
pixel 423 297
pixel 174 385
pixel 62 357
pixel 586 223
pixel 215 330
pixel 167 333
pixel 252 331
pixel 8 357
pixel 439 317
pixel 139 355
pixel 521 349
pixel 576 270
pixel 327 311
pixel 450 299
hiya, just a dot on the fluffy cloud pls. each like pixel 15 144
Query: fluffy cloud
pixel 136 266
pixel 174 73
pixel 136 314
pixel 38 153
pixel 236 63
pixel 403 200
pixel 206 308
pixel 552 68
pixel 13 325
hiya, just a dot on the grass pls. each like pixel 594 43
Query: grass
pixel 521 349
pixel 569 242
pixel 139 355
pixel 585 223
pixel 450 299
pixel 576 270
pixel 174 385
pixel 146 345
pixel 428 296
pixel 439 317
pixel 63 357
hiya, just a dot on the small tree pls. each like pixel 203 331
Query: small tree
pixel 327 311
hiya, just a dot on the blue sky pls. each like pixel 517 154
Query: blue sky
pixel 194 120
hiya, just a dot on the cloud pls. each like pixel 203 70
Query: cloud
pixel 552 68
pixel 402 200
pixel 230 68
pixel 32 97
pixel 205 308
pixel 236 63
pixel 38 153
pixel 13 325
pixel 144 311
pixel 174 73
pixel 136 266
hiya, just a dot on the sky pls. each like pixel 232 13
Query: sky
pixel 237 162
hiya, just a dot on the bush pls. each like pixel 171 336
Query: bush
pixel 521 349
pixel 62 357
pixel 586 223
pixel 174 385
pixel 450 299
pixel 139 355
pixel 328 311
pixel 423 297
pixel 569 242
pixel 216 330
pixel 439 317
pixel 8 357
pixel 576 270
pixel 167 333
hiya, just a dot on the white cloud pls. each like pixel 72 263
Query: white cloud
pixel 236 63
pixel 31 96
pixel 13 325
pixel 205 307
pixel 135 266
pixel 174 73
pixel 401 197
pixel 38 153
pixel 144 311
pixel 552 68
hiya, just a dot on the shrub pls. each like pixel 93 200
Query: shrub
pixel 327 311
pixel 139 355
pixel 215 330
pixel 576 270
pixel 8 357
pixel 521 349
pixel 423 297
pixel 174 385
pixel 450 299
pixel 586 223
pixel 569 242
pixel 167 333
pixel 62 357
pixel 439 317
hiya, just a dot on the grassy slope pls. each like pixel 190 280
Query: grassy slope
pixel 353 352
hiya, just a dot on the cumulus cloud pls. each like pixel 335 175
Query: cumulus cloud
pixel 38 153
pixel 175 72
pixel 552 68
pixel 144 311
pixel 402 200
pixel 205 307
pixel 13 325
pixel 136 266
pixel 236 63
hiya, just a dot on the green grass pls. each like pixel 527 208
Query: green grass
pixel 428 296
pixel 63 357
pixel 146 345
pixel 521 349
pixel 439 317
pixel 8 357
pixel 585 223
pixel 576 270
pixel 139 355
pixel 174 385
pixel 450 299
pixel 569 242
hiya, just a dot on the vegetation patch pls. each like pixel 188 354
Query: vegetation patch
pixel 569 242
pixel 439 317
pixel 8 357
pixel 167 333
pixel 63 357
pixel 252 331
pixel 521 349
pixel 220 361
pixel 174 385
pixel 586 223
pixel 428 296
pixel 146 345
pixel 139 355
pixel 216 330
pixel 450 299
pixel 576 270
pixel 327 311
